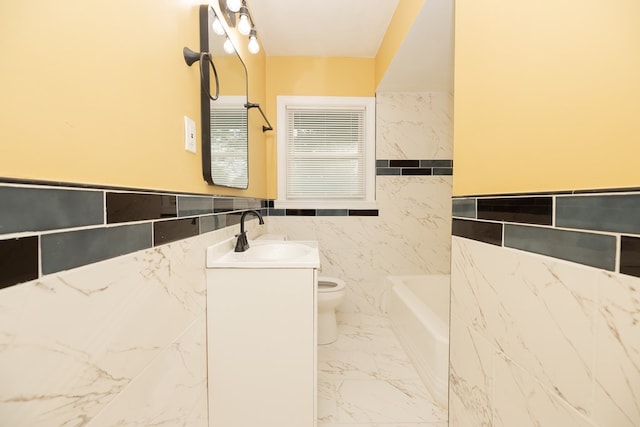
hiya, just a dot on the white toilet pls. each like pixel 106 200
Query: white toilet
pixel 331 292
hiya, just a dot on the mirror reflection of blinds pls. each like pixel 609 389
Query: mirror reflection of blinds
pixel 326 153
pixel 229 145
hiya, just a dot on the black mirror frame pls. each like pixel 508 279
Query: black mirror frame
pixel 205 102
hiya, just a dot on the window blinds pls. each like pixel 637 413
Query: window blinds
pixel 229 145
pixel 325 153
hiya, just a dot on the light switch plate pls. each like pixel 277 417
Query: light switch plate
pixel 189 134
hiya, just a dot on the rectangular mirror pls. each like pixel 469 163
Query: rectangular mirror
pixel 223 107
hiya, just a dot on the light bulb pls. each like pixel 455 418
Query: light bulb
pixel 244 26
pixel 254 47
pixel 217 27
pixel 234 5
pixel 228 46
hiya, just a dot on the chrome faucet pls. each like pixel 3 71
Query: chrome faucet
pixel 243 244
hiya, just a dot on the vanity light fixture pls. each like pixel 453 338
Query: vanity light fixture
pixel 237 15
pixel 228 46
pixel 234 5
pixel 244 26
pixel 217 26
pixel 254 47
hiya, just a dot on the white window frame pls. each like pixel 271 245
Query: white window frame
pixel 369 105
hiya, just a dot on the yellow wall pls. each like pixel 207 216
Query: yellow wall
pixel 319 76
pixel 399 27
pixel 96 93
pixel 312 76
pixel 231 76
pixel 547 95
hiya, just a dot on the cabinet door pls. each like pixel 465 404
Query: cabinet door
pixel 261 347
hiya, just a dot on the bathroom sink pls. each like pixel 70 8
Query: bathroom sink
pixel 278 251
pixel 264 254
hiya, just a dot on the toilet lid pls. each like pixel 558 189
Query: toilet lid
pixel 328 284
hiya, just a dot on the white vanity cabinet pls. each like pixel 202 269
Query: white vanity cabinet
pixel 261 340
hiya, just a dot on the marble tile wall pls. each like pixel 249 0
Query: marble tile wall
pixel 117 342
pixel 414 125
pixel 541 341
pixel 112 339
pixel 411 233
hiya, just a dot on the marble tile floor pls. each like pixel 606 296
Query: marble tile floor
pixel 365 379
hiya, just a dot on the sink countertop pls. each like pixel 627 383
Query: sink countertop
pixel 268 254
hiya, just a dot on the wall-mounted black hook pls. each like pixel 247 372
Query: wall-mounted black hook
pixel 190 57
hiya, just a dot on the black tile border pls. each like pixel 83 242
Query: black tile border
pixel 404 163
pixel 630 256
pixel 417 171
pixel 582 226
pixel 323 212
pixel 192 205
pixel 363 212
pixel 18 260
pixel 592 249
pixel 412 167
pixel 611 212
pixel 129 207
pixel 56 244
pixel 300 212
pixel 442 171
pixel 33 209
pixel 122 221
pixel 528 210
pixel 174 230
pixel 332 212
pixel 464 207
pixel 388 171
pixel 436 164
pixel 71 249
pixel 486 232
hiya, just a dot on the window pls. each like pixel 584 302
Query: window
pixel 326 152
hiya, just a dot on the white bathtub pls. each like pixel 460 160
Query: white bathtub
pixel 419 314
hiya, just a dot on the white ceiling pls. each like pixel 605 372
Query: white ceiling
pixel 355 28
pixel 352 28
